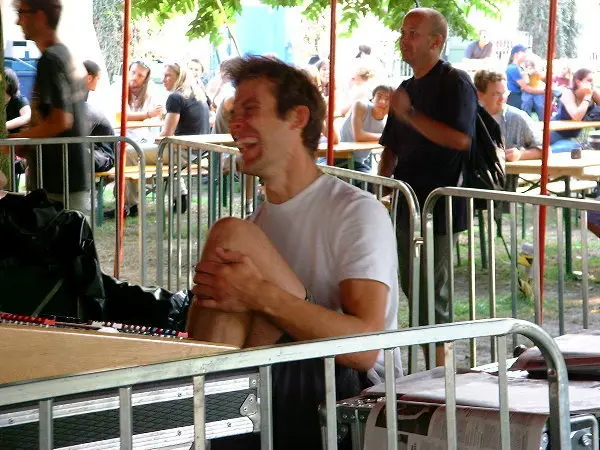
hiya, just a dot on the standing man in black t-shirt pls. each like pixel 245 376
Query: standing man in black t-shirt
pixel 426 139
pixel 58 107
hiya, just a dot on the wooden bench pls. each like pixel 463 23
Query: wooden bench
pixel 558 187
pixel 132 173
pixel 591 174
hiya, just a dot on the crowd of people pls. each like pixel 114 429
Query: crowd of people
pixel 319 257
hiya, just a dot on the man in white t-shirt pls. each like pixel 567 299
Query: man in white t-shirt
pixel 317 259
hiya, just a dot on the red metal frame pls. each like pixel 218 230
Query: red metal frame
pixel 331 108
pixel 120 211
pixel 546 144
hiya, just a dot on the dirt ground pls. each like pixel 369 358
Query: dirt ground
pixel 174 279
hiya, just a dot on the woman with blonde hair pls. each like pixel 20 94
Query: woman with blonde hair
pixel 359 89
pixel 187 110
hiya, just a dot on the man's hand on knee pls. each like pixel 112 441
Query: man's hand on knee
pixel 227 284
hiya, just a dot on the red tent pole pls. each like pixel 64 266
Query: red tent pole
pixel 331 108
pixel 120 216
pixel 546 144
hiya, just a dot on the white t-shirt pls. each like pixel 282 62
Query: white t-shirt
pixel 333 231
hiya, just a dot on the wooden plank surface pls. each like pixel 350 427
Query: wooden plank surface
pixel 564 125
pixel 559 164
pixel 134 124
pixel 29 353
pixel 347 149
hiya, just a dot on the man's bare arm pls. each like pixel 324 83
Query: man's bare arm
pixel 439 133
pixel 57 122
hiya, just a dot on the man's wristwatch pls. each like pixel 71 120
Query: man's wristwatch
pixel 411 112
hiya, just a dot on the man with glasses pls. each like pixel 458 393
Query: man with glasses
pixel 426 140
pixel 58 107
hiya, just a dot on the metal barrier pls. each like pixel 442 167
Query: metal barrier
pixel 64 142
pixel 178 257
pixel 512 199
pixel 45 391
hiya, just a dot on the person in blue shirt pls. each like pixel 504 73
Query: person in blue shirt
pixel 517 81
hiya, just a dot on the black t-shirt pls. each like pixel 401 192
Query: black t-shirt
pixel 99 125
pixel 13 108
pixel 445 95
pixel 193 114
pixel 60 85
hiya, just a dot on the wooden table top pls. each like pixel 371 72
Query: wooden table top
pixel 342 149
pixel 559 164
pixel 133 124
pixel 218 139
pixel 346 149
pixel 564 125
pixel 28 353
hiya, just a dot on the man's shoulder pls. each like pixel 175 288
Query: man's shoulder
pixel 344 196
pixel 56 54
pixel 512 114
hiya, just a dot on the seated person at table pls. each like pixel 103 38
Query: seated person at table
pixel 530 101
pixel 314 76
pixel 140 104
pixel 187 109
pixel 575 103
pixel 186 115
pixel 99 125
pixel 18 112
pixel 316 260
pixel 522 137
pixel 365 123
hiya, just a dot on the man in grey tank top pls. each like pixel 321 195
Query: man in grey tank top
pixel 365 124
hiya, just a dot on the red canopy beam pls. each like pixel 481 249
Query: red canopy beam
pixel 120 210
pixel 546 144
pixel 331 108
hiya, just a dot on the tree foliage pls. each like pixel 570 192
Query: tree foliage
pixel 210 17
pixel 108 23
pixel 533 18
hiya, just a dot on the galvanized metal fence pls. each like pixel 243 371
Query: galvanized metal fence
pixel 45 392
pixel 35 146
pixel 558 204
pixel 185 233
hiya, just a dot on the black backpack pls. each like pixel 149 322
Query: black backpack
pixel 485 166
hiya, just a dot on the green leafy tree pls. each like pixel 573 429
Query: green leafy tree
pixel 108 23
pixel 211 15
pixel 533 18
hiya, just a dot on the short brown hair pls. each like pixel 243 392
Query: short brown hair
pixel 51 8
pixel 484 77
pixel 292 87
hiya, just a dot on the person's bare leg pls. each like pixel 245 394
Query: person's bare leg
pixel 242 329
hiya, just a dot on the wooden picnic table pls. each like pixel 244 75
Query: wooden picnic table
pixel 565 125
pixel 562 167
pixel 346 150
pixel 343 150
pixel 134 124
pixel 559 164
